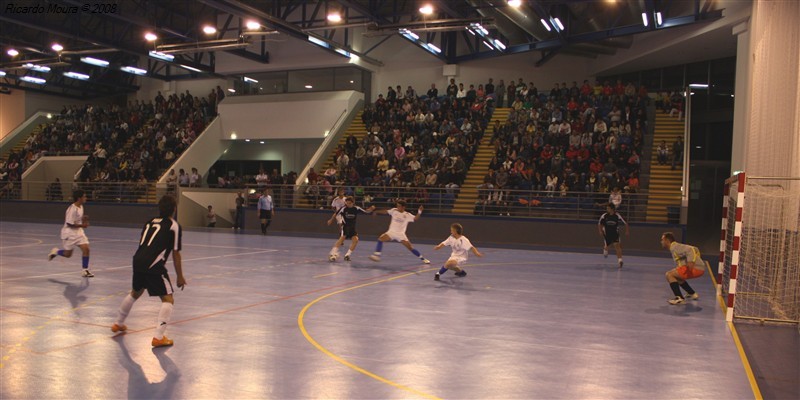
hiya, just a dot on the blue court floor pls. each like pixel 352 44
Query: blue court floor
pixel 270 317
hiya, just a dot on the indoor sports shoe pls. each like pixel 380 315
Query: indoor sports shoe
pixel 436 277
pixel 87 274
pixel 331 258
pixel 53 254
pixel 375 258
pixel 426 261
pixel 676 300
pixel 605 251
pixel 163 342
pixel 620 264
pixel 347 258
pixel 118 328
pixel 693 296
pixel 461 273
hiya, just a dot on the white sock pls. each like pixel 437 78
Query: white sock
pixel 163 319
pixel 377 253
pixel 349 252
pixel 125 308
pixel 619 260
pixel 334 250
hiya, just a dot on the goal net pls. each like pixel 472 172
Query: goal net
pixel 759 269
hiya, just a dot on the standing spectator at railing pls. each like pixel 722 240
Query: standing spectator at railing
pixel 262 180
pixel 452 89
pixel 183 178
pixel 461 92
pixel 172 182
pixel 433 92
pixel 411 94
pixel 400 96
pixel 211 179
pixel 500 93
pixel 194 178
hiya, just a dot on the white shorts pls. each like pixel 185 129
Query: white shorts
pixel 459 260
pixel 397 236
pixel 74 241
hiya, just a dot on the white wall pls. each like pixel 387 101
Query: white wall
pixel 12 111
pixel 45 171
pixel 284 116
pixel 149 87
pixel 406 64
pixel 203 152
pixel 292 153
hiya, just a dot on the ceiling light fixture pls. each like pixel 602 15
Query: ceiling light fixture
pixel 659 21
pixel 644 19
pixel 189 68
pixel 253 25
pixel 133 70
pixel 76 75
pixel 38 68
pixel 3 73
pixel 559 24
pixel 251 80
pixel 57 47
pixel 546 25
pixel 33 79
pixel 427 9
pixel 161 56
pixel 150 36
pixel 309 87
pixel 95 61
pixel 209 30
pixel 12 52
pixel 334 17
pixel 515 3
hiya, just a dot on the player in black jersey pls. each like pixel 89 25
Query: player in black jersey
pixel 608 227
pixel 347 215
pixel 160 237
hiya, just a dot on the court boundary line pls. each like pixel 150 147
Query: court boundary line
pixel 742 355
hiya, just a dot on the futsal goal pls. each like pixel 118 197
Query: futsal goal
pixel 758 273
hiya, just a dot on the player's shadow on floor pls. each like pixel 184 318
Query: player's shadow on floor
pixel 680 310
pixel 73 292
pixel 139 386
pixel 462 285
pixel 380 267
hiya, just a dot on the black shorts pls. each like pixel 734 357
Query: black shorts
pixel 155 280
pixel 349 231
pixel 611 239
pixel 265 214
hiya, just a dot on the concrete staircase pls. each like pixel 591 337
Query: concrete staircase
pixel 358 130
pixel 665 184
pixel 468 195
pixel 21 143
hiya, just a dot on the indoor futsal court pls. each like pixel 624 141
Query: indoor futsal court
pixel 270 317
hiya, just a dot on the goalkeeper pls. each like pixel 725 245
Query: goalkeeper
pixel 686 257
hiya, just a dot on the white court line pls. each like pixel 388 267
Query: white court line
pixel 131 240
pixel 129 266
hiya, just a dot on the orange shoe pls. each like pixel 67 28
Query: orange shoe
pixel 163 342
pixel 118 328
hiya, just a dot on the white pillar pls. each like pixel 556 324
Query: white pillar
pixel 740 105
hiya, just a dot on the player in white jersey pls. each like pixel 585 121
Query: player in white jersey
pixel 72 234
pixel 461 247
pixel 397 230
pixel 337 204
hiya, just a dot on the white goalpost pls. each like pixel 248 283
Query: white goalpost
pixel 758 273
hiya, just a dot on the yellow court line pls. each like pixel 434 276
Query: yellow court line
pixel 320 276
pixel 342 360
pixel 301 324
pixel 742 355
